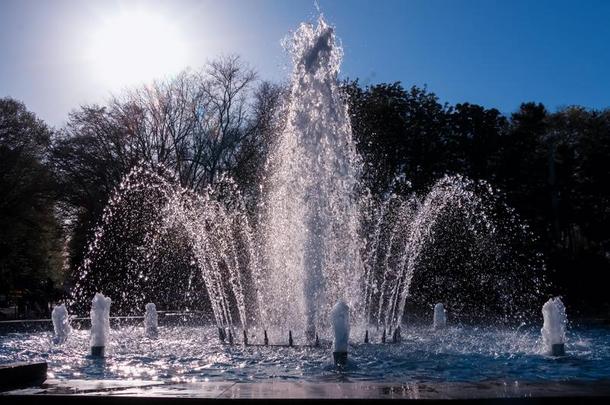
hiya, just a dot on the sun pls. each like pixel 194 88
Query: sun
pixel 136 46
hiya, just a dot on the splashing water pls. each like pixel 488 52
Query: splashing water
pixel 440 316
pixel 148 218
pixel 313 215
pixel 320 238
pixel 340 323
pixel 555 321
pixel 100 320
pixel 61 323
pixel 457 245
pixel 151 323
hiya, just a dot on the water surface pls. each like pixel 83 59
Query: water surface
pixel 181 353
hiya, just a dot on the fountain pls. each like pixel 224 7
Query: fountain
pixel 554 327
pixel 440 316
pixel 163 220
pixel 61 323
pixel 319 258
pixel 319 236
pixel 312 216
pixel 460 235
pixel 151 324
pixel 100 324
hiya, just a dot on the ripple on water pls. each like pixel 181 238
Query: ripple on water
pixel 194 354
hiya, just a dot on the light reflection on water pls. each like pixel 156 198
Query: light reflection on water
pixel 194 354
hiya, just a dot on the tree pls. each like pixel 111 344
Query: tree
pixel 473 141
pixel 196 128
pixel 266 124
pixel 30 248
pixel 578 147
pixel 523 163
pixel 398 132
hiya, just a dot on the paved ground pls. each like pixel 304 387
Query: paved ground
pixel 301 390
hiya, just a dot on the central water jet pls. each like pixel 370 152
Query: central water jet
pixel 313 247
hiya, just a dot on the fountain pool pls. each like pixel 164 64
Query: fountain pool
pixel 187 354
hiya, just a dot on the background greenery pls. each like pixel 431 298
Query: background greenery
pixel 222 121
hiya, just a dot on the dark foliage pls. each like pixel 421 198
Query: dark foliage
pixel 552 167
pixel 30 247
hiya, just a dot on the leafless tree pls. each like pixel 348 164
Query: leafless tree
pixel 200 125
pixel 193 123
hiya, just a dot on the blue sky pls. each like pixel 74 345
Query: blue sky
pixel 495 53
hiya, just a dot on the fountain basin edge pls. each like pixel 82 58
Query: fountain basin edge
pixel 118 391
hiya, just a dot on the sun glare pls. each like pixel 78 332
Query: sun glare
pixel 136 46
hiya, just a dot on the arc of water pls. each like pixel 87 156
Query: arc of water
pixel 370 261
pixel 255 266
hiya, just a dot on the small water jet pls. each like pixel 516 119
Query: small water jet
pixel 340 324
pixel 554 327
pixel 440 316
pixel 61 323
pixel 100 324
pixel 397 335
pixel 151 323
